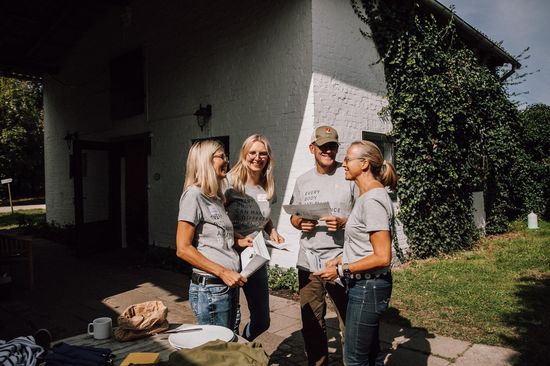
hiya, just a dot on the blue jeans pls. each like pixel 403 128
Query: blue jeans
pixel 257 296
pixel 367 300
pixel 215 305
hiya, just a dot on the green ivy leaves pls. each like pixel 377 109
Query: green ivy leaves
pixel 453 125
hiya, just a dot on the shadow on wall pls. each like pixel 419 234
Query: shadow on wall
pixel 532 321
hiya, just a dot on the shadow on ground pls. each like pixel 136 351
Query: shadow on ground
pixel 402 344
pixel 291 350
pixel 69 292
pixel 532 322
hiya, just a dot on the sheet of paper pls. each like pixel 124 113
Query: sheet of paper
pixel 254 257
pixel 313 211
pixel 282 246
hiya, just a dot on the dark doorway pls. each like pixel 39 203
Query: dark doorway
pixel 134 155
pixel 91 167
pixel 110 185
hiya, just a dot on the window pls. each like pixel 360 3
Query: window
pixel 127 85
pixel 384 143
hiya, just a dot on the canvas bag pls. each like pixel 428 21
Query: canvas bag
pixel 141 320
pixel 219 353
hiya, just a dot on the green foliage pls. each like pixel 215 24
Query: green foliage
pixel 280 278
pixel 536 144
pixel 22 219
pixel 454 128
pixel 21 136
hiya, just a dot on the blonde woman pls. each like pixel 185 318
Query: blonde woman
pixel 205 238
pixel 365 262
pixel 249 197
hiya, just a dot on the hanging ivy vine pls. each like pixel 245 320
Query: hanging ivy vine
pixel 453 125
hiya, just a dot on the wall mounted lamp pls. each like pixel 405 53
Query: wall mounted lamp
pixel 203 115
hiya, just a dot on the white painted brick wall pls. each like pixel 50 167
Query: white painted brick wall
pixel 279 68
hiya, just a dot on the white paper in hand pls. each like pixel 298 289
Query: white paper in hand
pixel 279 246
pixel 254 257
pixel 314 261
pixel 313 211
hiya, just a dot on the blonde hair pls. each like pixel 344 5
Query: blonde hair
pixel 239 173
pixel 382 170
pixel 200 171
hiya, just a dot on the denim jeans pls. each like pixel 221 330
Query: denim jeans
pixel 313 291
pixel 215 305
pixel 257 296
pixel 367 300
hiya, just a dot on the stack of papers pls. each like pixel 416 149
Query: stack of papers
pixel 254 257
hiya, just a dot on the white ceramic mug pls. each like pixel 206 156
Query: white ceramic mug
pixel 100 328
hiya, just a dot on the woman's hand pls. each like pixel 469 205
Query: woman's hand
pixel 243 242
pixel 276 237
pixel 328 273
pixel 232 278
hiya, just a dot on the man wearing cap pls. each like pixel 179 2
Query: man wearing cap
pixel 321 240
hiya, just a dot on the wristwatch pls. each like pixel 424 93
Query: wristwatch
pixel 346 270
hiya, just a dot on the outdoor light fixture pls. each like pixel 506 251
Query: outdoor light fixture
pixel 69 138
pixel 203 115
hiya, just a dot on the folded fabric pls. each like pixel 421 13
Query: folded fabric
pixel 219 353
pixel 69 355
pixel 141 320
pixel 20 351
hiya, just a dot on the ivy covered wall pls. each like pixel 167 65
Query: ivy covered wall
pixel 454 128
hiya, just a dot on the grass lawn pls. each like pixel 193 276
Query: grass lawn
pixel 21 218
pixel 496 294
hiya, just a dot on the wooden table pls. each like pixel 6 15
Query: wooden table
pixel 157 343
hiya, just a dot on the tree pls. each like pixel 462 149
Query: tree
pixel 21 136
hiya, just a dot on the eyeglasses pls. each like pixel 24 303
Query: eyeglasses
pixel 221 156
pixel 260 154
pixel 347 160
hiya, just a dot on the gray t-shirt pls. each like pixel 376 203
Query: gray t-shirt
pixel 313 187
pixel 249 212
pixel 373 211
pixel 213 229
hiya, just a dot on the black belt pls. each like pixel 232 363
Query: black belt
pixel 199 279
pixel 368 276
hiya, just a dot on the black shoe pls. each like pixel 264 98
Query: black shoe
pixel 43 338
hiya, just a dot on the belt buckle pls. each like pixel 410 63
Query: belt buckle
pixel 203 280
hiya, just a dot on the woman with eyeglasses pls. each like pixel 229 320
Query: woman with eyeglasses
pixel 365 262
pixel 205 238
pixel 249 196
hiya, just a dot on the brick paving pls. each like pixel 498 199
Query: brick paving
pixel 71 291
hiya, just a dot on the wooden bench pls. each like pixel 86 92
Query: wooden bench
pixel 17 251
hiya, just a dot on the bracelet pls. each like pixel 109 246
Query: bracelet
pixel 340 270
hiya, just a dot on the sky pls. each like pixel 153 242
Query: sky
pixel 519 24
